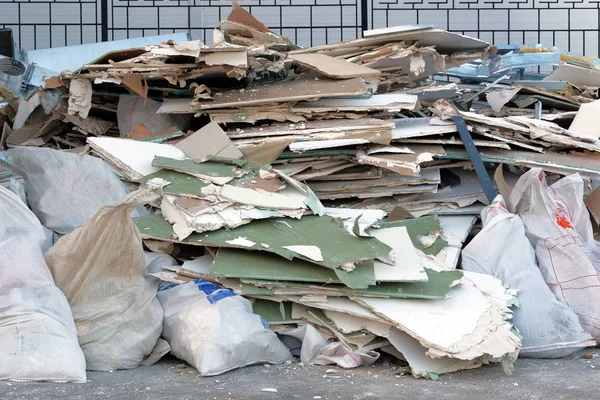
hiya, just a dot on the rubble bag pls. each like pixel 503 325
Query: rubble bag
pixel 101 268
pixel 563 256
pixel 214 329
pixel 64 189
pixel 568 193
pixel 38 339
pixel 550 329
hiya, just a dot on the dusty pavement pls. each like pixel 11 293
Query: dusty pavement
pixel 573 378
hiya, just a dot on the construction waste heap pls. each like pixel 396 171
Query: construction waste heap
pixel 414 193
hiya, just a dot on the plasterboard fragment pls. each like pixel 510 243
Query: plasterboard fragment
pixel 466 326
pixel 333 67
pixel 261 198
pixel 407 265
pixel 312 252
pixel 211 172
pixel 299 89
pixel 136 84
pixel 350 217
pixel 210 139
pixel 80 97
pixel 233 57
pixel 498 98
pixel 585 121
pixel 300 147
pixel 308 231
pixel 241 241
pixel 392 102
pixel 134 158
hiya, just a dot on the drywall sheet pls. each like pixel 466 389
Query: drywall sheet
pixel 337 246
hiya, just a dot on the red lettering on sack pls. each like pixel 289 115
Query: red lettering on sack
pixel 562 220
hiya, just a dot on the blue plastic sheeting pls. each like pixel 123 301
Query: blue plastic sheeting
pixel 71 58
pixel 501 64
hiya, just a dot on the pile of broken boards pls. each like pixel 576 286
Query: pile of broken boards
pixel 283 198
pixel 366 123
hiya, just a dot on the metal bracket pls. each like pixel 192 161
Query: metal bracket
pixel 482 174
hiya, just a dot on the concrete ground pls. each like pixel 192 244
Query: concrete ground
pixel 573 378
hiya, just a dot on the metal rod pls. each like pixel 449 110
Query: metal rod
pixel 104 19
pixel 482 174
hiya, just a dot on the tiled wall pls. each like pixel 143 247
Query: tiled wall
pixel 42 24
pixel 569 24
pixel 306 22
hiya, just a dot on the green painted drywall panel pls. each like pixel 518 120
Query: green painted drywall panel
pixel 243 264
pixel 181 184
pixel 421 227
pixel 338 247
pixel 437 287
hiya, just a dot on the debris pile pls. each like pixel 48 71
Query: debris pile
pixel 324 194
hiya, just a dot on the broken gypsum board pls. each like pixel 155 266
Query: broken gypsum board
pixel 272 311
pixel 560 163
pixel 208 140
pixel 186 185
pixel 299 89
pixel 406 128
pixel 388 180
pixel 490 135
pixel 516 138
pixel 224 117
pixel 417 228
pixel 322 154
pixel 211 171
pixel 392 102
pixel 396 160
pixel 555 131
pixel 244 264
pixel 319 173
pixel 467 186
pixel 180 184
pixel 132 157
pixel 353 340
pixel 326 164
pixel 453 141
pixel 312 127
pixel 436 288
pixel 444 41
pixel 376 192
pixel 332 67
pixel 407 265
pixel 484 331
pixel 437 209
pixel 351 174
pixel 444 164
pixel 301 147
pixel 381 136
pixel 287 237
